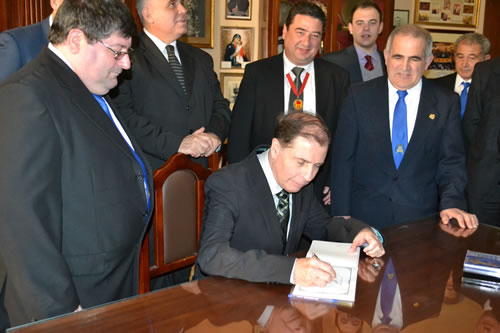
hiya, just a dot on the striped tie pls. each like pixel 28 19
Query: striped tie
pixel 176 66
pixel 283 211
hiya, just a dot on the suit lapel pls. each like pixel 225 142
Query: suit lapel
pixel 427 116
pixel 188 66
pixel 158 62
pixel 276 80
pixel 321 82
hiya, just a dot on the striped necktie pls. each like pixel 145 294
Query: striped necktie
pixel 176 66
pixel 283 211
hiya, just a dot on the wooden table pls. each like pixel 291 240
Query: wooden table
pixel 427 257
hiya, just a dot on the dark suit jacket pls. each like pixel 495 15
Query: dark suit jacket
pixel 431 177
pixel 21 45
pixel 241 235
pixel 447 81
pixel 154 105
pixel 72 201
pixel 481 125
pixel 261 100
pixel 348 59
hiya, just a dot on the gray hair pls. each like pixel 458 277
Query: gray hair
pixel 414 31
pixel 474 38
pixel 139 4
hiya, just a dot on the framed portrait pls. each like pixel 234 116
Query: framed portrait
pixel 463 13
pixel 200 17
pixel 236 47
pixel 238 9
pixel 443 43
pixel 401 17
pixel 230 86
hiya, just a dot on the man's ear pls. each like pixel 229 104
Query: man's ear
pixel 75 40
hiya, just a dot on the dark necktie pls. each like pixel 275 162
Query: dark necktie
pixel 463 98
pixel 283 211
pixel 104 106
pixel 369 63
pixel 298 84
pixel 176 66
pixel 388 291
pixel 399 129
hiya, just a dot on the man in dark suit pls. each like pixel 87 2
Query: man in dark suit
pixel 75 190
pixel 168 113
pixel 267 88
pixel 257 210
pixel 399 152
pixel 21 45
pixel 362 59
pixel 481 125
pixel 469 49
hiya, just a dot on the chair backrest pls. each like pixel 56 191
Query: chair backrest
pixel 177 216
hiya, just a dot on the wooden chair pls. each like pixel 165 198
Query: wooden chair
pixel 177 218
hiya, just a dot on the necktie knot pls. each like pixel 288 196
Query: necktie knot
pixel 297 71
pixel 283 196
pixel 402 93
pixel 369 64
pixel 170 49
pixel 466 84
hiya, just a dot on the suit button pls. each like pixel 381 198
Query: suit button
pixel 187 107
pixel 145 213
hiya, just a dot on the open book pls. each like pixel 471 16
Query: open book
pixel 345 264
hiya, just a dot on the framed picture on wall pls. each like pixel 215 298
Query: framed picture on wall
pixel 443 43
pixel 236 46
pixel 401 17
pixel 463 13
pixel 230 86
pixel 200 17
pixel 238 9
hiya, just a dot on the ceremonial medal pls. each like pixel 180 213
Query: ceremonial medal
pixel 298 104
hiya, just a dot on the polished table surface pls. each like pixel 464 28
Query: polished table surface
pixel 427 257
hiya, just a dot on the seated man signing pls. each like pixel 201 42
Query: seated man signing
pixel 257 210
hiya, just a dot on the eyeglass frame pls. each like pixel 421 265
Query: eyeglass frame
pixel 117 54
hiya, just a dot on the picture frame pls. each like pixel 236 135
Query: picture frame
pixel 463 13
pixel 401 17
pixel 200 16
pixel 236 47
pixel 238 9
pixel 230 85
pixel 443 42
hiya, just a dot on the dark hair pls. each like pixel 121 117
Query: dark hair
pixel 366 4
pixel 306 8
pixel 98 19
pixel 303 124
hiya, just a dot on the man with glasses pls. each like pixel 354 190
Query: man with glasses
pixel 171 97
pixel 75 186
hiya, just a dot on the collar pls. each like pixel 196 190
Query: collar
pixel 60 55
pixel 459 80
pixel 161 45
pixel 361 54
pixel 268 172
pixel 411 92
pixel 288 65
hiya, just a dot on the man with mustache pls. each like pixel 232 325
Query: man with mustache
pixel 75 186
pixel 399 154
pixel 362 60
pixel 171 97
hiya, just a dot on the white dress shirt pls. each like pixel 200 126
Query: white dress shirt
pixel 412 100
pixel 309 90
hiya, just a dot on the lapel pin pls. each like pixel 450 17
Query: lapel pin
pixel 432 116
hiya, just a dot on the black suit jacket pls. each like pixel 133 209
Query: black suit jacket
pixel 348 59
pixel 261 100
pixel 431 177
pixel 481 125
pixel 241 235
pixel 21 45
pixel 155 107
pixel 72 197
pixel 447 81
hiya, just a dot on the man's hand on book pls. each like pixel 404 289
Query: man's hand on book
pixel 373 248
pixel 312 272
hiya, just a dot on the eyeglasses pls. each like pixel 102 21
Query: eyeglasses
pixel 117 54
